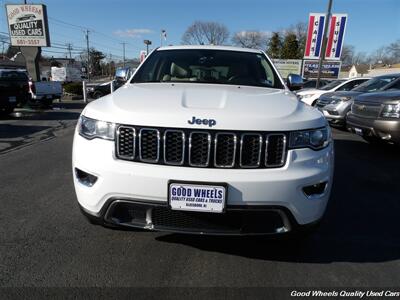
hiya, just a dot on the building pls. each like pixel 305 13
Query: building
pixel 359 70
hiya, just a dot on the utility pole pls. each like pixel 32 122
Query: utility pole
pixel 123 55
pixel 324 41
pixel 69 48
pixel 2 52
pixel 88 55
pixel 109 66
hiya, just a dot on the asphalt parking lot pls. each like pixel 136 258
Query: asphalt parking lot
pixel 45 242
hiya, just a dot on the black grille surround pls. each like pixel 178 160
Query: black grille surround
pixel 237 220
pixel 201 148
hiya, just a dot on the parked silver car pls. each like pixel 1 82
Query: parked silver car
pixel 335 106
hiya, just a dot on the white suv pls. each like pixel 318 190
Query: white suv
pixel 311 96
pixel 203 139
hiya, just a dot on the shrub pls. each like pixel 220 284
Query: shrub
pixel 73 88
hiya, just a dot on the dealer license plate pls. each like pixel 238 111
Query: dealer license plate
pixel 197 197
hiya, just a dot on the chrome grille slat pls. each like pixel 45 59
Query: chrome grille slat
pixel 174 147
pixel 225 150
pixel 275 142
pixel 149 151
pixel 192 148
pixel 126 137
pixel 202 157
pixel 248 152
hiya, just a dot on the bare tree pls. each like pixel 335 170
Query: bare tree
pixel 394 50
pixel 250 39
pixel 381 56
pixel 347 55
pixel 204 33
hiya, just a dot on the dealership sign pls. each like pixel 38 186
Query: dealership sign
pixel 315 36
pixel 329 70
pixel 337 28
pixel 315 33
pixel 287 66
pixel 27 24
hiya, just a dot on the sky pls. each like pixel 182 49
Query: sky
pixel 371 23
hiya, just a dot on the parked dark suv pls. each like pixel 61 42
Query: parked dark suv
pixel 376 116
pixel 14 89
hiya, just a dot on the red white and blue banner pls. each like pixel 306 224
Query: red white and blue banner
pixel 337 28
pixel 316 24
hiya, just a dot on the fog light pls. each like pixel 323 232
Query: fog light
pixel 85 178
pixel 315 189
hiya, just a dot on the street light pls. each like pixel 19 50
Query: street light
pixel 147 43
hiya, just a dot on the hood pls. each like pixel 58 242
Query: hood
pixel 231 107
pixel 380 97
pixel 340 94
pixel 308 91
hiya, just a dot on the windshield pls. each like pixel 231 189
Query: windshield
pixel 375 84
pixel 331 85
pixel 208 66
pixel 11 75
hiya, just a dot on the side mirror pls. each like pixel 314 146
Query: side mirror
pixel 294 82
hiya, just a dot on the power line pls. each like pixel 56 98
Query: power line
pixel 70 24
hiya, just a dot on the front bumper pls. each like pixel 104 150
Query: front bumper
pixel 279 190
pixel 385 129
pixel 336 113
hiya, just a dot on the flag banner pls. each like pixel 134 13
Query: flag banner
pixel 316 25
pixel 337 29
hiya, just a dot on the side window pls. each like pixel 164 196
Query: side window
pixel 349 86
pixel 396 85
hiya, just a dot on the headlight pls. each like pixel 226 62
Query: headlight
pixel 391 111
pixel 91 128
pixel 337 100
pixel 315 139
pixel 306 96
pixel 90 89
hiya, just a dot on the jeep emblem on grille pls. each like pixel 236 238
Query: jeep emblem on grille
pixel 198 121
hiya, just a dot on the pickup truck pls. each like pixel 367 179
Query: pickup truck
pixel 14 89
pixel 376 116
pixel 204 140
pixel 44 92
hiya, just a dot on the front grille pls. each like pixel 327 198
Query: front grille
pixel 126 142
pixel 149 145
pixel 367 110
pixel 275 153
pixel 201 148
pixel 233 221
pixel 250 150
pixel 323 102
pixel 225 150
pixel 174 147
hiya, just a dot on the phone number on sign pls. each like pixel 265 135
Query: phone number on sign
pixel 28 42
